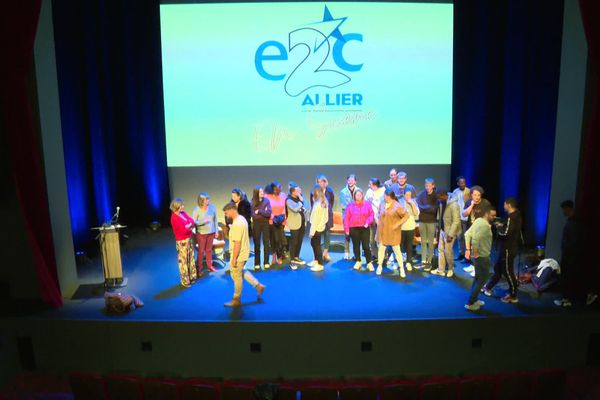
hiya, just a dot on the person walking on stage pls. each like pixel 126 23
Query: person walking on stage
pixel 319 216
pixel 478 240
pixel 183 226
pixel 347 197
pixel 462 194
pixel 277 221
pixel 450 228
pixel 207 225
pixel 409 227
pixel 238 236
pixel 357 221
pixel 296 221
pixel 323 183
pixel 428 212
pixel 261 214
pixel 391 217
pixel 374 195
pixel 509 235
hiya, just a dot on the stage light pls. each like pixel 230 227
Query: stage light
pixel 155 226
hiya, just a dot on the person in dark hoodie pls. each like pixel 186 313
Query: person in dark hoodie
pixel 509 238
pixel 428 202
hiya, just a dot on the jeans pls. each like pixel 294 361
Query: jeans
pixel 462 246
pixel 297 235
pixel 326 235
pixel 408 238
pixel 277 240
pixel 372 237
pixel 482 271
pixel 505 265
pixel 261 228
pixel 427 230
pixel 360 236
pixel 205 245
pixel 315 243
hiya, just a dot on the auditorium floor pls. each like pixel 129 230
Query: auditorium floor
pixel 337 294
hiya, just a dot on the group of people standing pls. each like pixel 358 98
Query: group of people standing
pixel 380 223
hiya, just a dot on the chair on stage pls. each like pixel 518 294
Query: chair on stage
pixel 124 387
pixel 161 389
pixel 219 247
pixel 338 229
pixel 88 386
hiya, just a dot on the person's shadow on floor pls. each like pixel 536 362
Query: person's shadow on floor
pixel 237 313
pixel 170 293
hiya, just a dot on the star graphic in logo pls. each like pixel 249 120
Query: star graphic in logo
pixel 329 27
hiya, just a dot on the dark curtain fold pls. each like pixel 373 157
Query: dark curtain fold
pixel 506 75
pixel 110 84
pixel 18 25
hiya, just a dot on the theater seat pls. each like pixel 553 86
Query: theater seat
pixel 477 387
pixel 161 389
pixel 549 384
pixel 195 389
pixel 513 386
pixel 124 387
pixel 358 392
pixel 321 392
pixel 88 386
pixel 439 388
pixel 287 392
pixel 237 391
pixel 402 389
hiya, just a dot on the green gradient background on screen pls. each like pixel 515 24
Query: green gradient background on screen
pixel 220 111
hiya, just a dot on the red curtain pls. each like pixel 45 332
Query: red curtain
pixel 589 181
pixel 18 25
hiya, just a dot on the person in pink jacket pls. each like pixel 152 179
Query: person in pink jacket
pixel 183 226
pixel 357 221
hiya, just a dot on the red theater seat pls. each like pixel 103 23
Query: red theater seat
pixel 195 389
pixel 124 387
pixel 87 386
pixel 513 386
pixel 161 389
pixel 238 391
pixel 477 387
pixel 549 384
pixel 439 388
pixel 319 392
pixel 358 392
pixel 287 392
pixel 399 390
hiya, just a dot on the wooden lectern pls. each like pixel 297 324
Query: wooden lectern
pixel 110 249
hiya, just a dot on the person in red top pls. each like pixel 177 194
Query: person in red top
pixel 357 221
pixel 183 225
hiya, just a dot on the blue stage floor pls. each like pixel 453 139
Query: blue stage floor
pixel 337 294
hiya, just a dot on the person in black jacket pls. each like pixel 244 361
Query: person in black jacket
pixel 261 213
pixel 239 198
pixel 509 238
pixel 428 202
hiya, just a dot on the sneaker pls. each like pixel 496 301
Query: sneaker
pixel 312 263
pixel 437 272
pixel 370 267
pixel 450 274
pixel 591 298
pixel 427 268
pixel 472 307
pixel 408 267
pixel 509 299
pixel 402 273
pixel 357 266
pixel 487 292
pixel 563 303
pixel 266 266
pixel 472 273
pixel 378 271
pixel 393 266
pixel 257 267
pixel 420 266
pixel 480 302
pixel 293 266
pixel 299 261
pixel 470 268
pixel 346 256
pixel 317 268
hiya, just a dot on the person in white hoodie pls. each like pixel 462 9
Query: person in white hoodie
pixel 374 194
pixel 319 215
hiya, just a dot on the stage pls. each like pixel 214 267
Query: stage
pixel 337 294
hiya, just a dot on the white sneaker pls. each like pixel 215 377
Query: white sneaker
pixel 357 265
pixel 408 267
pixel 437 272
pixel 370 267
pixel 346 256
pixel 450 274
pixel 393 266
pixel 470 268
pixel 480 302
pixel 312 263
pixel 293 266
pixel 257 267
pixel 266 266
pixel 402 273
pixel 473 307
pixel 317 268
pixel 563 303
pixel 378 271
pixel 472 273
pixel 487 292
